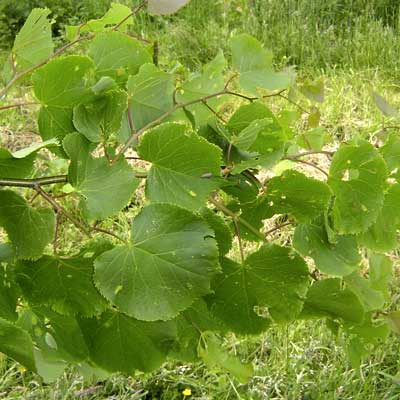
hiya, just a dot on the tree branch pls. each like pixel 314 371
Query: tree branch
pixel 311 152
pixel 290 158
pixel 235 217
pixel 21 74
pixel 16 105
pixel 135 11
pixel 62 210
pixel 33 183
pixel 277 228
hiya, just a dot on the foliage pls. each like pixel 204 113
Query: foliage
pixel 173 289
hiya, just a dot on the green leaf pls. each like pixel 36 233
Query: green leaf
pixel 278 278
pixel 212 354
pixel 7 253
pixel 314 91
pixel 298 195
pixel 165 7
pixel 242 187
pixel 117 55
pixel 62 81
pixel 69 343
pixel 55 122
pixel 380 273
pixel 117 342
pixel 12 167
pixel 210 81
pixel 103 85
pixel 314 138
pixel 340 258
pixel 8 294
pixel 357 178
pixel 254 64
pixel 382 235
pixel 33 44
pixel 190 325
pixel 33 148
pixel 29 230
pixel 102 117
pixel 167 265
pixel 313 119
pixel 57 338
pixel 391 152
pixel 371 330
pixel 356 351
pixel 384 107
pixel 178 179
pixel 222 233
pixel 150 94
pixel 115 15
pixel 17 344
pixel 370 298
pixel 326 298
pixel 256 131
pixel 259 136
pixel 248 113
pixel 255 213
pixel 393 319
pixel 234 301
pixel 64 284
pixel 106 188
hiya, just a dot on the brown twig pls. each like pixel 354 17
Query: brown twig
pixel 33 183
pixel 17 105
pixel 60 209
pixel 290 158
pixel 135 11
pixel 21 74
pixel 311 152
pixel 277 228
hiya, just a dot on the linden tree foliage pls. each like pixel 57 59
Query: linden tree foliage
pixel 123 233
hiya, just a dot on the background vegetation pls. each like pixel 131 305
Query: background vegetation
pixel 314 35
pixel 355 45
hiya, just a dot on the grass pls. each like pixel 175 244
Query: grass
pixel 289 364
pixel 303 360
pixel 313 35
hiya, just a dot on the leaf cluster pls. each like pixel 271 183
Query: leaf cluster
pixel 175 285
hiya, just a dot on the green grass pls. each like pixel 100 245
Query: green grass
pixel 302 361
pixel 313 35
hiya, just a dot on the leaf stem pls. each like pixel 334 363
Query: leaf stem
pixel 294 103
pixel 277 228
pixel 237 230
pixel 235 217
pixel 60 209
pixel 290 158
pixel 95 228
pixel 311 152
